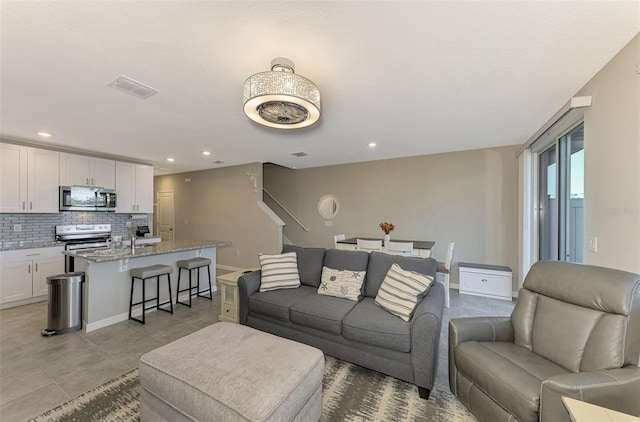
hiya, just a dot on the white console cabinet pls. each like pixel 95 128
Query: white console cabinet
pixel 24 272
pixel 485 280
pixel 28 179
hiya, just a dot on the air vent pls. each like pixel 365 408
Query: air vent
pixel 135 88
pixel 300 154
pixel 218 162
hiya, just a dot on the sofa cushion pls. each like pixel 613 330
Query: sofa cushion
pixel 279 271
pixel 276 303
pixel 310 262
pixel 339 259
pixel 368 323
pixel 401 290
pixel 379 264
pixel 321 312
pixel 341 283
pixel 508 373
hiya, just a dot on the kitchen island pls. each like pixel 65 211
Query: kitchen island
pixel 108 284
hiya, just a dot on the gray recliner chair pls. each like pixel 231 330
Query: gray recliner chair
pixel 574 331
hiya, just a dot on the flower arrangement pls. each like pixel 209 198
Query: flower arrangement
pixel 387 227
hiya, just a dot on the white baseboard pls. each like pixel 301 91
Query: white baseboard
pixel 24 302
pixel 107 321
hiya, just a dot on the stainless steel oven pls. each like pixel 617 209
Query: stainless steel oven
pixel 87 198
pixel 82 236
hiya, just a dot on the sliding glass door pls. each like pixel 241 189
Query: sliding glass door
pixel 560 198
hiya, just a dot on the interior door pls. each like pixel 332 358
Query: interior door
pixel 165 219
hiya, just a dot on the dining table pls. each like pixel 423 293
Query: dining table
pixel 421 248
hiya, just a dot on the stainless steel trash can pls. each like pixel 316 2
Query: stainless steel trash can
pixel 65 303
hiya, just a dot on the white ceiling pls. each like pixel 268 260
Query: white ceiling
pixel 417 77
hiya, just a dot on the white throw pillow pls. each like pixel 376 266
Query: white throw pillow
pixel 401 289
pixel 279 271
pixel 341 283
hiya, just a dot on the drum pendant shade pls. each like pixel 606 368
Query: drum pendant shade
pixel 280 98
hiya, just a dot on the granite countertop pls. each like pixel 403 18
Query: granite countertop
pixel 29 244
pixel 105 255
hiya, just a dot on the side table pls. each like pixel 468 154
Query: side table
pixel 580 411
pixel 229 294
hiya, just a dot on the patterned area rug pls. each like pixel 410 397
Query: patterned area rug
pixel 350 394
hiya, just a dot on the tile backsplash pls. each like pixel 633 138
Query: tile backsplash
pixel 41 227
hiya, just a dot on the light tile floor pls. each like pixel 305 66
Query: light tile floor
pixel 38 373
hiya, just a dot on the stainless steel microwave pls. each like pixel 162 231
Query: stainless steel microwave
pixel 87 198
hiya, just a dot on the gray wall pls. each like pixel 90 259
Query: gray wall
pixel 612 162
pixel 470 197
pixel 220 204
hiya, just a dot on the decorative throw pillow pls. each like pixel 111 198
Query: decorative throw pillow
pixel 401 290
pixel 279 272
pixel 341 283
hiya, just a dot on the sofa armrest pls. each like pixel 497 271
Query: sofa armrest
pixel 426 324
pixel 248 284
pixel 615 389
pixel 475 329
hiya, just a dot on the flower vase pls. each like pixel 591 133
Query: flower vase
pixel 386 238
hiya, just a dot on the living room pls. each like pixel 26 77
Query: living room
pixel 420 176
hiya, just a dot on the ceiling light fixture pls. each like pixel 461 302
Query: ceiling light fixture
pixel 171 160
pixel 372 144
pixel 206 153
pixel 45 134
pixel 280 98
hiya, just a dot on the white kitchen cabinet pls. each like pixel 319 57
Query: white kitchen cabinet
pixel 44 268
pixel 16 281
pixel 24 273
pixel 28 179
pixel 89 171
pixel 134 187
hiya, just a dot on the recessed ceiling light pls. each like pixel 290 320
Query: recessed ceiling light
pixel 371 144
pixel 206 153
pixel 171 160
pixel 45 134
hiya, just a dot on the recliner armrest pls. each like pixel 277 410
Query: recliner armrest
pixel 248 284
pixel 475 329
pixel 615 389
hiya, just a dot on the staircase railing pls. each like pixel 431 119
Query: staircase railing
pixel 305 228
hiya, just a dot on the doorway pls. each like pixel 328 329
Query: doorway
pixel 165 220
pixel 560 198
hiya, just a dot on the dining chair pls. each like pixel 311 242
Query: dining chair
pixel 399 248
pixel 444 268
pixel 369 245
pixel 338 238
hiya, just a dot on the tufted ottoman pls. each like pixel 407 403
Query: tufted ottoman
pixel 230 372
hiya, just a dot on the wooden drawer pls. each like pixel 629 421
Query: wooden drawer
pixel 489 281
pixel 229 312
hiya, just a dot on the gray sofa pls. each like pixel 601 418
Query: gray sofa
pixel 574 332
pixel 359 332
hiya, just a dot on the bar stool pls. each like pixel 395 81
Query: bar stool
pixel 143 274
pixel 193 264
